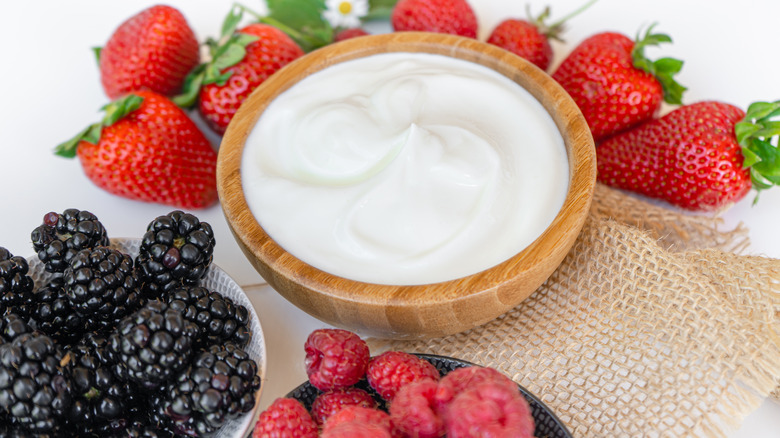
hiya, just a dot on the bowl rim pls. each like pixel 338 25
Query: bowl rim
pixel 282 270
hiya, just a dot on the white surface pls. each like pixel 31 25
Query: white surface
pixel 51 90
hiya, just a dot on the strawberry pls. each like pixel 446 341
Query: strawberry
pixel 242 61
pixel 146 148
pixel 441 16
pixel 530 39
pixel 700 157
pixel 153 50
pixel 613 83
pixel 346 34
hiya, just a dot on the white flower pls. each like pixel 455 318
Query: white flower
pixel 345 13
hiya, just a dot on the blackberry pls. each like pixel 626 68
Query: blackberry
pixel 11 327
pixel 101 285
pixel 101 401
pixel 53 315
pixel 219 385
pixel 152 344
pixel 15 285
pixel 218 316
pixel 34 391
pixel 141 430
pixel 61 236
pixel 176 249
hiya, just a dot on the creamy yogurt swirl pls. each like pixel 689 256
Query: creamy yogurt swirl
pixel 405 168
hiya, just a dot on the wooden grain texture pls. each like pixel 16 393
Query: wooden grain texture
pixel 411 311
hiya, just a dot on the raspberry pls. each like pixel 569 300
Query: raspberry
pixel 489 409
pixel 461 379
pixel 335 358
pixel 330 402
pixel 413 410
pixel 391 370
pixel 359 422
pixel 454 17
pixel 349 33
pixel 287 418
pixel 357 429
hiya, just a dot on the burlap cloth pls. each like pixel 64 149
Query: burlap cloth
pixel 654 325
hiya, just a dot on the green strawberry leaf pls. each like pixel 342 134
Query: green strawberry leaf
pixel 226 52
pixel 92 135
pixel 96 51
pixel 744 130
pixel 769 165
pixel 114 111
pixel 191 87
pixel 302 20
pixel 749 158
pixel 298 14
pixel 759 134
pixel 67 149
pixel 379 9
pixel 762 110
pixel 769 129
pixel 120 108
pixel 231 21
pixel 232 55
pixel 663 69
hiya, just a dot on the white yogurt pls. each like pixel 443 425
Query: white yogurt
pixel 404 169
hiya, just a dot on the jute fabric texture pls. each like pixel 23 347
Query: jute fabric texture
pixel 653 325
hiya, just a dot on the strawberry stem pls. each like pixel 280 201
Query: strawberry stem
pixel 573 13
pixel 553 31
pixel 663 69
pixel 114 111
pixel 759 134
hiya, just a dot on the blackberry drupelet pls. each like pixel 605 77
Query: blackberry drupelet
pixel 53 315
pixel 138 430
pixel 220 319
pixel 16 287
pixel 61 236
pixel 34 391
pixel 152 344
pixel 11 327
pixel 176 249
pixel 102 402
pixel 101 286
pixel 219 385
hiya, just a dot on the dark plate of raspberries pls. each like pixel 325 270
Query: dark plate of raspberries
pixel 398 394
pixel 121 337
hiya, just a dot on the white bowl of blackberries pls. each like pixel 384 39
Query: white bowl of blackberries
pixel 125 337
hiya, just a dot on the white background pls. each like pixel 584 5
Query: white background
pixel 50 90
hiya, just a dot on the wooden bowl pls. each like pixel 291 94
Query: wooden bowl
pixel 418 311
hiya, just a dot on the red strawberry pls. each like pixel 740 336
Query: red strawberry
pixel 530 39
pixel 272 51
pixel 240 62
pixel 613 83
pixel 346 34
pixel 153 50
pixel 441 16
pixel 697 156
pixel 146 148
